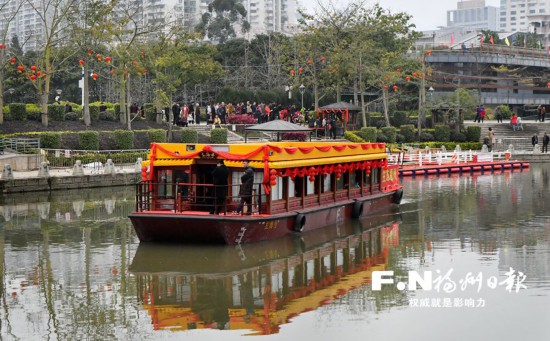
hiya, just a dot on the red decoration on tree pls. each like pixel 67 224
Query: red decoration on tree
pixel 99 57
pixel 81 62
pixel 292 72
pixel 134 63
pixel 90 52
pixel 38 73
pixel 33 78
pixel 415 74
pixel 12 61
pixel 398 70
pixel 323 59
pixel 548 85
pixel 113 72
pixel 428 52
pixel 300 70
pixel 385 87
pixel 33 68
pixel 2 46
pixel 108 59
pixel 395 88
pixel 310 61
pixel 20 68
pixel 94 76
pixel 408 78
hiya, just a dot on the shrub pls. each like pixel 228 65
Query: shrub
pixel 390 133
pixel 399 138
pixel 473 133
pixel 368 134
pixel 124 139
pixel 94 113
pixel 34 115
pixel 88 140
pixel 241 119
pixel 189 135
pixel 295 136
pixel 452 145
pixel 156 135
pixel 407 131
pixel 425 137
pixel 352 137
pixel 504 110
pixel 116 108
pixel 458 137
pixel 73 116
pixel 442 133
pixel 108 115
pixel 380 137
pixel 399 118
pixel 50 140
pixel 56 112
pixel 150 114
pixel 18 111
pixel 218 135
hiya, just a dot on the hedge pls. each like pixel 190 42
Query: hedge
pixel 56 112
pixel 156 135
pixel 352 137
pixel 150 114
pixel 218 135
pixel 94 113
pixel 473 133
pixel 390 133
pixel 452 145
pixel 88 140
pixel 189 135
pixel 407 131
pixel 62 161
pixel 108 115
pixel 368 134
pixel 18 111
pixel 50 140
pixel 442 133
pixel 124 139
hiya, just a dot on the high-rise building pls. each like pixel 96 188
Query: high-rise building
pixel 23 21
pixel 473 15
pixel 518 15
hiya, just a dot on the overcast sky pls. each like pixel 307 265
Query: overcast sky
pixel 427 14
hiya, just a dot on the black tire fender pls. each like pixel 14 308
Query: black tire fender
pixel 398 196
pixel 357 209
pixel 300 222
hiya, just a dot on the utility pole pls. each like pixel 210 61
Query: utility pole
pixel 422 97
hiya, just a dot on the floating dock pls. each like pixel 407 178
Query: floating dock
pixel 461 168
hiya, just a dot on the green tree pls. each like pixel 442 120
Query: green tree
pixel 218 23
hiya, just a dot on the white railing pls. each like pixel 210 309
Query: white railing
pixel 422 157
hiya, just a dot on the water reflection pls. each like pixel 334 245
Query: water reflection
pixel 72 268
pixel 260 286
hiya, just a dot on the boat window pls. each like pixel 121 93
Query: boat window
pixel 327 183
pixel 340 182
pixel 299 186
pixel 235 185
pixel 310 187
pixel 291 188
pixel 165 180
pixel 375 175
pixel 355 178
pixel 277 191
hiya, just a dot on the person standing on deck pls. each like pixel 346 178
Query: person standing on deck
pixel 491 138
pixel 220 175
pixel 545 141
pixel 245 193
pixel 534 141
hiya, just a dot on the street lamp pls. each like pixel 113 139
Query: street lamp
pixel 431 92
pixel 11 91
pixel 302 90
pixel 58 91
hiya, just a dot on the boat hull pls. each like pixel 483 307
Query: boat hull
pixel 163 226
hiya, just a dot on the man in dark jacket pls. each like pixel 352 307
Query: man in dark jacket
pixel 220 175
pixel 247 182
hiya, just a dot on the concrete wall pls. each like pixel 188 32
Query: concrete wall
pixel 55 183
pixel 21 162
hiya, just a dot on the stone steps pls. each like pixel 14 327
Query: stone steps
pixel 521 140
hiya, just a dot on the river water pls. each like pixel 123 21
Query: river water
pixel 72 268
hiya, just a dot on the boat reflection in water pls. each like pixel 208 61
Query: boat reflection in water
pixel 259 286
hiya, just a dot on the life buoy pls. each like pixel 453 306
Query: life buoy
pixel 357 209
pixel 300 222
pixel 397 196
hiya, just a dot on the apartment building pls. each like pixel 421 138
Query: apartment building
pixel 473 15
pixel 518 15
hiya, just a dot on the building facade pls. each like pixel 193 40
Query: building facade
pixel 473 15
pixel 516 15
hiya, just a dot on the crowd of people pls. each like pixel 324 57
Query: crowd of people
pixel 218 113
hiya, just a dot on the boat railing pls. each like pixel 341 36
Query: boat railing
pixel 191 197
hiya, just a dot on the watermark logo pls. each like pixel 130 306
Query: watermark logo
pixel 445 282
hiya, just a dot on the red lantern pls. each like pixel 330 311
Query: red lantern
pixel 408 78
pixel 310 61
pixel 12 61
pixel 81 62
pixel 113 72
pixel 33 78
pixel 144 72
pixel 33 68
pixel 2 46
pixel 395 88
pixel 300 70
pixel 548 85
pixel 323 59
pixel 428 52
pixel 385 87
pixel 398 70
pixel 94 76
pixel 38 73
pixel 90 52
pixel 292 72
pixel 99 57
pixel 134 63
pixel 108 59
pixel 143 173
pixel 415 74
pixel 20 68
